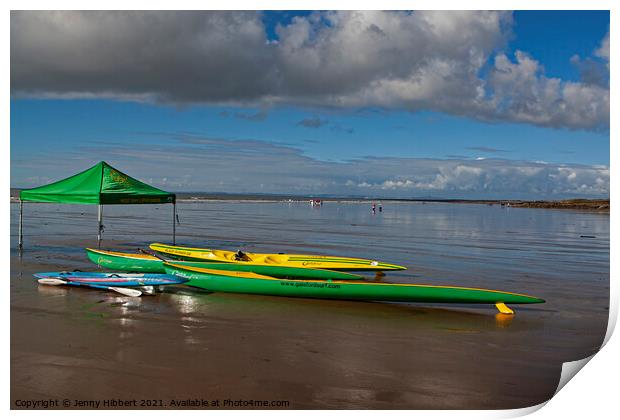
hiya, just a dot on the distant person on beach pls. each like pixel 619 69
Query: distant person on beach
pixel 374 208
pixel 380 207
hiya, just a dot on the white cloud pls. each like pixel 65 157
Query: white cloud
pixel 522 93
pixel 397 60
pixel 603 50
pixel 238 166
pixel 499 178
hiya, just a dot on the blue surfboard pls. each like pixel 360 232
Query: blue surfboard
pixel 113 279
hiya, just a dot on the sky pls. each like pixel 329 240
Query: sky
pixel 378 104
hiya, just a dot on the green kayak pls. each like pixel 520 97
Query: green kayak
pixel 243 282
pixel 144 263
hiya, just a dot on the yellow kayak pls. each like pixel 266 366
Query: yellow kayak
pixel 283 260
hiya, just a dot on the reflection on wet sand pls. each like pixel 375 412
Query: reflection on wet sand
pixel 503 320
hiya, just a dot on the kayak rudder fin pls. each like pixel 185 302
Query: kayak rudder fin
pixel 501 306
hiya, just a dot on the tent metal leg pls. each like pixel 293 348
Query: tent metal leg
pixel 21 224
pixel 99 224
pixel 174 223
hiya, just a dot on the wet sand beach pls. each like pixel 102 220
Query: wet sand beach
pixel 73 343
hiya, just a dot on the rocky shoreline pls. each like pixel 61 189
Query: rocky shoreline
pixel 592 205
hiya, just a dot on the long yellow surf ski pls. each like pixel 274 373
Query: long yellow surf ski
pixel 283 260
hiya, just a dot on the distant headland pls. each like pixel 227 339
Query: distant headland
pixel 598 205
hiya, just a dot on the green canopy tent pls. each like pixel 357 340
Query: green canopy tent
pixel 101 184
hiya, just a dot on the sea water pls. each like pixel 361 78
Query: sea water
pixel 336 354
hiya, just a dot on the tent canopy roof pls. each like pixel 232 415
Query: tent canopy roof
pixel 101 184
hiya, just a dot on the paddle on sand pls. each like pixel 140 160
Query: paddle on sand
pixel 153 254
pixel 121 290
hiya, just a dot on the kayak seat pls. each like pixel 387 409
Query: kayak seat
pixel 272 259
pixel 241 256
